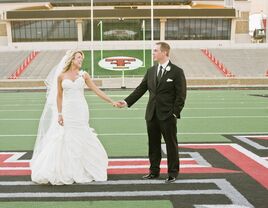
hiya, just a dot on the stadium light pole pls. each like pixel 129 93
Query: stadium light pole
pixel 92 39
pixel 152 31
pixel 101 39
pixel 143 37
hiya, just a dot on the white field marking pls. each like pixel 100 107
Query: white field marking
pixel 15 105
pixel 201 161
pixel 107 194
pixel 91 109
pixel 19 119
pixel 207 99
pixel 22 110
pixel 139 118
pixel 256 158
pixel 251 155
pixel 253 136
pixel 17 155
pixel 147 166
pixel 86 95
pixel 132 109
pixel 144 159
pixel 14 168
pixel 145 134
pixel 116 167
pixel 142 102
pixel 220 206
pixel 225 188
pixel 44 97
pixel 18 135
pixel 22 99
pixel 95 97
pixel 184 117
pixel 251 143
pixel 117 182
pixel 206 144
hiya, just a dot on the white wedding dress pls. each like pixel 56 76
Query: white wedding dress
pixel 73 153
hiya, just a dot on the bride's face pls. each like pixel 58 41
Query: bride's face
pixel 78 60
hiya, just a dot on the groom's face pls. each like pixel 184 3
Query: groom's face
pixel 158 55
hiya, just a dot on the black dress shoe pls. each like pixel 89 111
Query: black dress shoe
pixel 170 179
pixel 150 176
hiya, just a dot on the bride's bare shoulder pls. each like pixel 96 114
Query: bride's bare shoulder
pixel 85 75
pixel 61 76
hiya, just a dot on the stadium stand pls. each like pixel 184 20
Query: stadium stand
pixel 10 61
pixel 194 63
pixel 42 64
pixel 244 62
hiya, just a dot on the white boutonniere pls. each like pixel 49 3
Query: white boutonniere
pixel 169 80
pixel 168 68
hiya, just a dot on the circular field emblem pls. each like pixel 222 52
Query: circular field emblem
pixel 119 63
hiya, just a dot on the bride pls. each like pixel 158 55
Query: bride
pixel 67 150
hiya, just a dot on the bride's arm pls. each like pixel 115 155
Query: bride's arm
pixel 96 90
pixel 59 100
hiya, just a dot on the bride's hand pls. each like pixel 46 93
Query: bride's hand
pixel 115 104
pixel 60 120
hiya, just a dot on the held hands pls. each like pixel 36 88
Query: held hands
pixel 120 104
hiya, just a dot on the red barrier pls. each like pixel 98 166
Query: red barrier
pixel 24 65
pixel 218 64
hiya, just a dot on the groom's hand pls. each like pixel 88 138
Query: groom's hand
pixel 121 104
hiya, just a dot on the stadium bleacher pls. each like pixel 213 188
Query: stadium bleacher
pixel 194 63
pixel 243 62
pixel 42 64
pixel 10 61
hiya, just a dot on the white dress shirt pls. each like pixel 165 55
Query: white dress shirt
pixel 164 65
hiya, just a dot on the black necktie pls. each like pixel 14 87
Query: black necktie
pixel 159 75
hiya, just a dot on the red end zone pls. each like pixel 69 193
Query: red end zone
pixel 250 163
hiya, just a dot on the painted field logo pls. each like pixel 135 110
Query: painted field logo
pixel 118 63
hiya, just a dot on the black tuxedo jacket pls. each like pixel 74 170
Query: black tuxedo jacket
pixel 166 97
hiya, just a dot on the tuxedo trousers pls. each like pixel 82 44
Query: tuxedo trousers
pixel 168 129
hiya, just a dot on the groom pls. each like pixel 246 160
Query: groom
pixel 167 92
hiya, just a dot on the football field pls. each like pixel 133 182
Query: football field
pixel 223 142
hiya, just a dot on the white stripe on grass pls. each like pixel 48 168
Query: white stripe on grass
pixel 140 118
pixel 134 109
pixel 144 134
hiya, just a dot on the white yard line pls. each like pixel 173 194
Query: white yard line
pixel 223 188
pixel 91 107
pixel 140 118
pixel 144 134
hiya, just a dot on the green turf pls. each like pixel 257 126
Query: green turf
pixel 89 204
pixel 207 116
pixel 98 71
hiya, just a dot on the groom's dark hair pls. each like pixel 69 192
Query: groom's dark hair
pixel 164 47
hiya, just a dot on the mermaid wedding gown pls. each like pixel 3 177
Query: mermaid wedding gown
pixel 73 153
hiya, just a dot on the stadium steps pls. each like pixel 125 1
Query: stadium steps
pixel 10 61
pixel 194 63
pixel 42 64
pixel 244 62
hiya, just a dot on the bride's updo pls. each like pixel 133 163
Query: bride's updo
pixel 70 55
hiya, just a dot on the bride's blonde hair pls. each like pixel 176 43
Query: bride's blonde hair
pixel 70 56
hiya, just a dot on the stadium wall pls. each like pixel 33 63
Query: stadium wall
pixel 239 32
